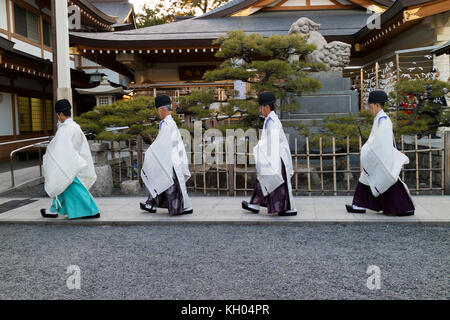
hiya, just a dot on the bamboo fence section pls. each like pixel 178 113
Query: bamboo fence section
pixel 317 171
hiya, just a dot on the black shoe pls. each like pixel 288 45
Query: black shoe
pixel 190 211
pixel 246 207
pixel 287 214
pixel 350 209
pixel 143 207
pixel 92 217
pixel 401 214
pixel 45 215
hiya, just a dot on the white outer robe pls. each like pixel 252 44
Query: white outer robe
pixel 165 154
pixel 380 159
pixel 270 150
pixel 68 156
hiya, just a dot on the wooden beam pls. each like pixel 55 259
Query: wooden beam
pixel 369 5
pixel 253 8
pixel 295 8
pixel 388 31
pixel 426 9
pixel 24 92
pixel 263 3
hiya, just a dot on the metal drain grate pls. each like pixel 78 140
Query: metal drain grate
pixel 13 204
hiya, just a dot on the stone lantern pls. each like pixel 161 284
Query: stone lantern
pixel 104 93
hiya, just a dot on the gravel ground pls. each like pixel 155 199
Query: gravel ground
pixel 327 261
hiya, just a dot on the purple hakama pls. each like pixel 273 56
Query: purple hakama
pixel 394 201
pixel 171 199
pixel 276 201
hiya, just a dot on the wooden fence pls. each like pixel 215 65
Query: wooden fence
pixel 317 171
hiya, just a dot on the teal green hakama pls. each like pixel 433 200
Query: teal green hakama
pixel 75 202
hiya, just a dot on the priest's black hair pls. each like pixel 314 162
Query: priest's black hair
pixel 63 106
pixel 378 96
pixel 267 98
pixel 67 113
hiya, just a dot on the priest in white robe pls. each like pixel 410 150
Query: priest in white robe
pixel 166 168
pixel 69 170
pixel 379 187
pixel 273 165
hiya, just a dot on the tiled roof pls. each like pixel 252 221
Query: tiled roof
pixel 337 22
pixel 121 10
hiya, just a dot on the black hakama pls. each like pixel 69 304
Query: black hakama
pixel 394 201
pixel 278 200
pixel 171 199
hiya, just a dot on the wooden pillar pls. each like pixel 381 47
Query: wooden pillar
pixel 397 66
pixel 13 106
pixel 397 62
pixel 362 89
pixel 41 33
pixel 376 74
pixel 8 18
pixel 44 108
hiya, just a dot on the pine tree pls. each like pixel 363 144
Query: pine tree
pixel 428 107
pixel 138 114
pixel 264 63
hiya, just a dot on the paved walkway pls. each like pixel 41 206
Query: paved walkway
pixel 220 210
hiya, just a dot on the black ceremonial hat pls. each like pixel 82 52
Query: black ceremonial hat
pixel 162 100
pixel 62 105
pixel 266 98
pixel 377 96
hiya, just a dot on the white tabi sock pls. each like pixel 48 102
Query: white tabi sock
pixel 358 208
pixel 253 206
pixel 187 209
pixel 149 206
pixel 47 211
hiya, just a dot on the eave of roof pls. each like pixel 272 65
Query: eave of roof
pixel 237 5
pixel 389 14
pixel 444 49
pixel 8 46
pixel 94 10
pixel 37 63
pixel 227 9
pixel 121 10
